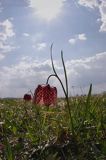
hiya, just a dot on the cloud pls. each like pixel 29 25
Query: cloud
pixel 88 70
pixel 102 9
pixel 72 41
pixel 6 32
pixel 28 73
pixel 48 9
pixel 6 48
pixel 89 3
pixel 81 37
pixel 40 46
pixel 26 34
pixel 101 6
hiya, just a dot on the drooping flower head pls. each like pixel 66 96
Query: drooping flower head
pixel 45 95
pixel 27 97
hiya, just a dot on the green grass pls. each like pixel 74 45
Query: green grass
pixel 29 132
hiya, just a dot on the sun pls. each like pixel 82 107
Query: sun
pixel 47 9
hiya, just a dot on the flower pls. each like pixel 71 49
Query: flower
pixel 27 97
pixel 45 95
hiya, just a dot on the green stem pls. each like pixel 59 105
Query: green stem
pixel 66 81
pixel 55 75
pixel 65 73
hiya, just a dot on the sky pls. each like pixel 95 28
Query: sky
pixel 27 30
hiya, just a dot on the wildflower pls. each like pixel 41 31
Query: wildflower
pixel 27 97
pixel 45 95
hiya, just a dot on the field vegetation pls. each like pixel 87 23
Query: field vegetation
pixel 72 129
pixel 33 132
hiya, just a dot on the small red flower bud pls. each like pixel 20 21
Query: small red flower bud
pixel 27 97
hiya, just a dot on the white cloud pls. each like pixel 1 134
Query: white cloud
pixel 26 34
pixel 6 28
pixel 101 5
pixel 40 46
pixel 47 9
pixel 88 70
pixel 72 41
pixel 89 3
pixel 28 73
pixel 6 32
pixel 102 9
pixel 81 37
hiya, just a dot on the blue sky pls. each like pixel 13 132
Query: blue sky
pixel 27 29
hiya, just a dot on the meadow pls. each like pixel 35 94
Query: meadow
pixel 33 132
pixel 74 128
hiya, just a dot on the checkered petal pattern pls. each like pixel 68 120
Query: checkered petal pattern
pixel 45 95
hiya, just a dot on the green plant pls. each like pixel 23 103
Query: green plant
pixel 65 90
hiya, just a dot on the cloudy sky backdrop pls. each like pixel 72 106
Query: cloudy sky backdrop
pixel 27 29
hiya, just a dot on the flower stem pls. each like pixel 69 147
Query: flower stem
pixel 64 90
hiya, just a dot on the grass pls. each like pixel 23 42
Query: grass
pixel 29 132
